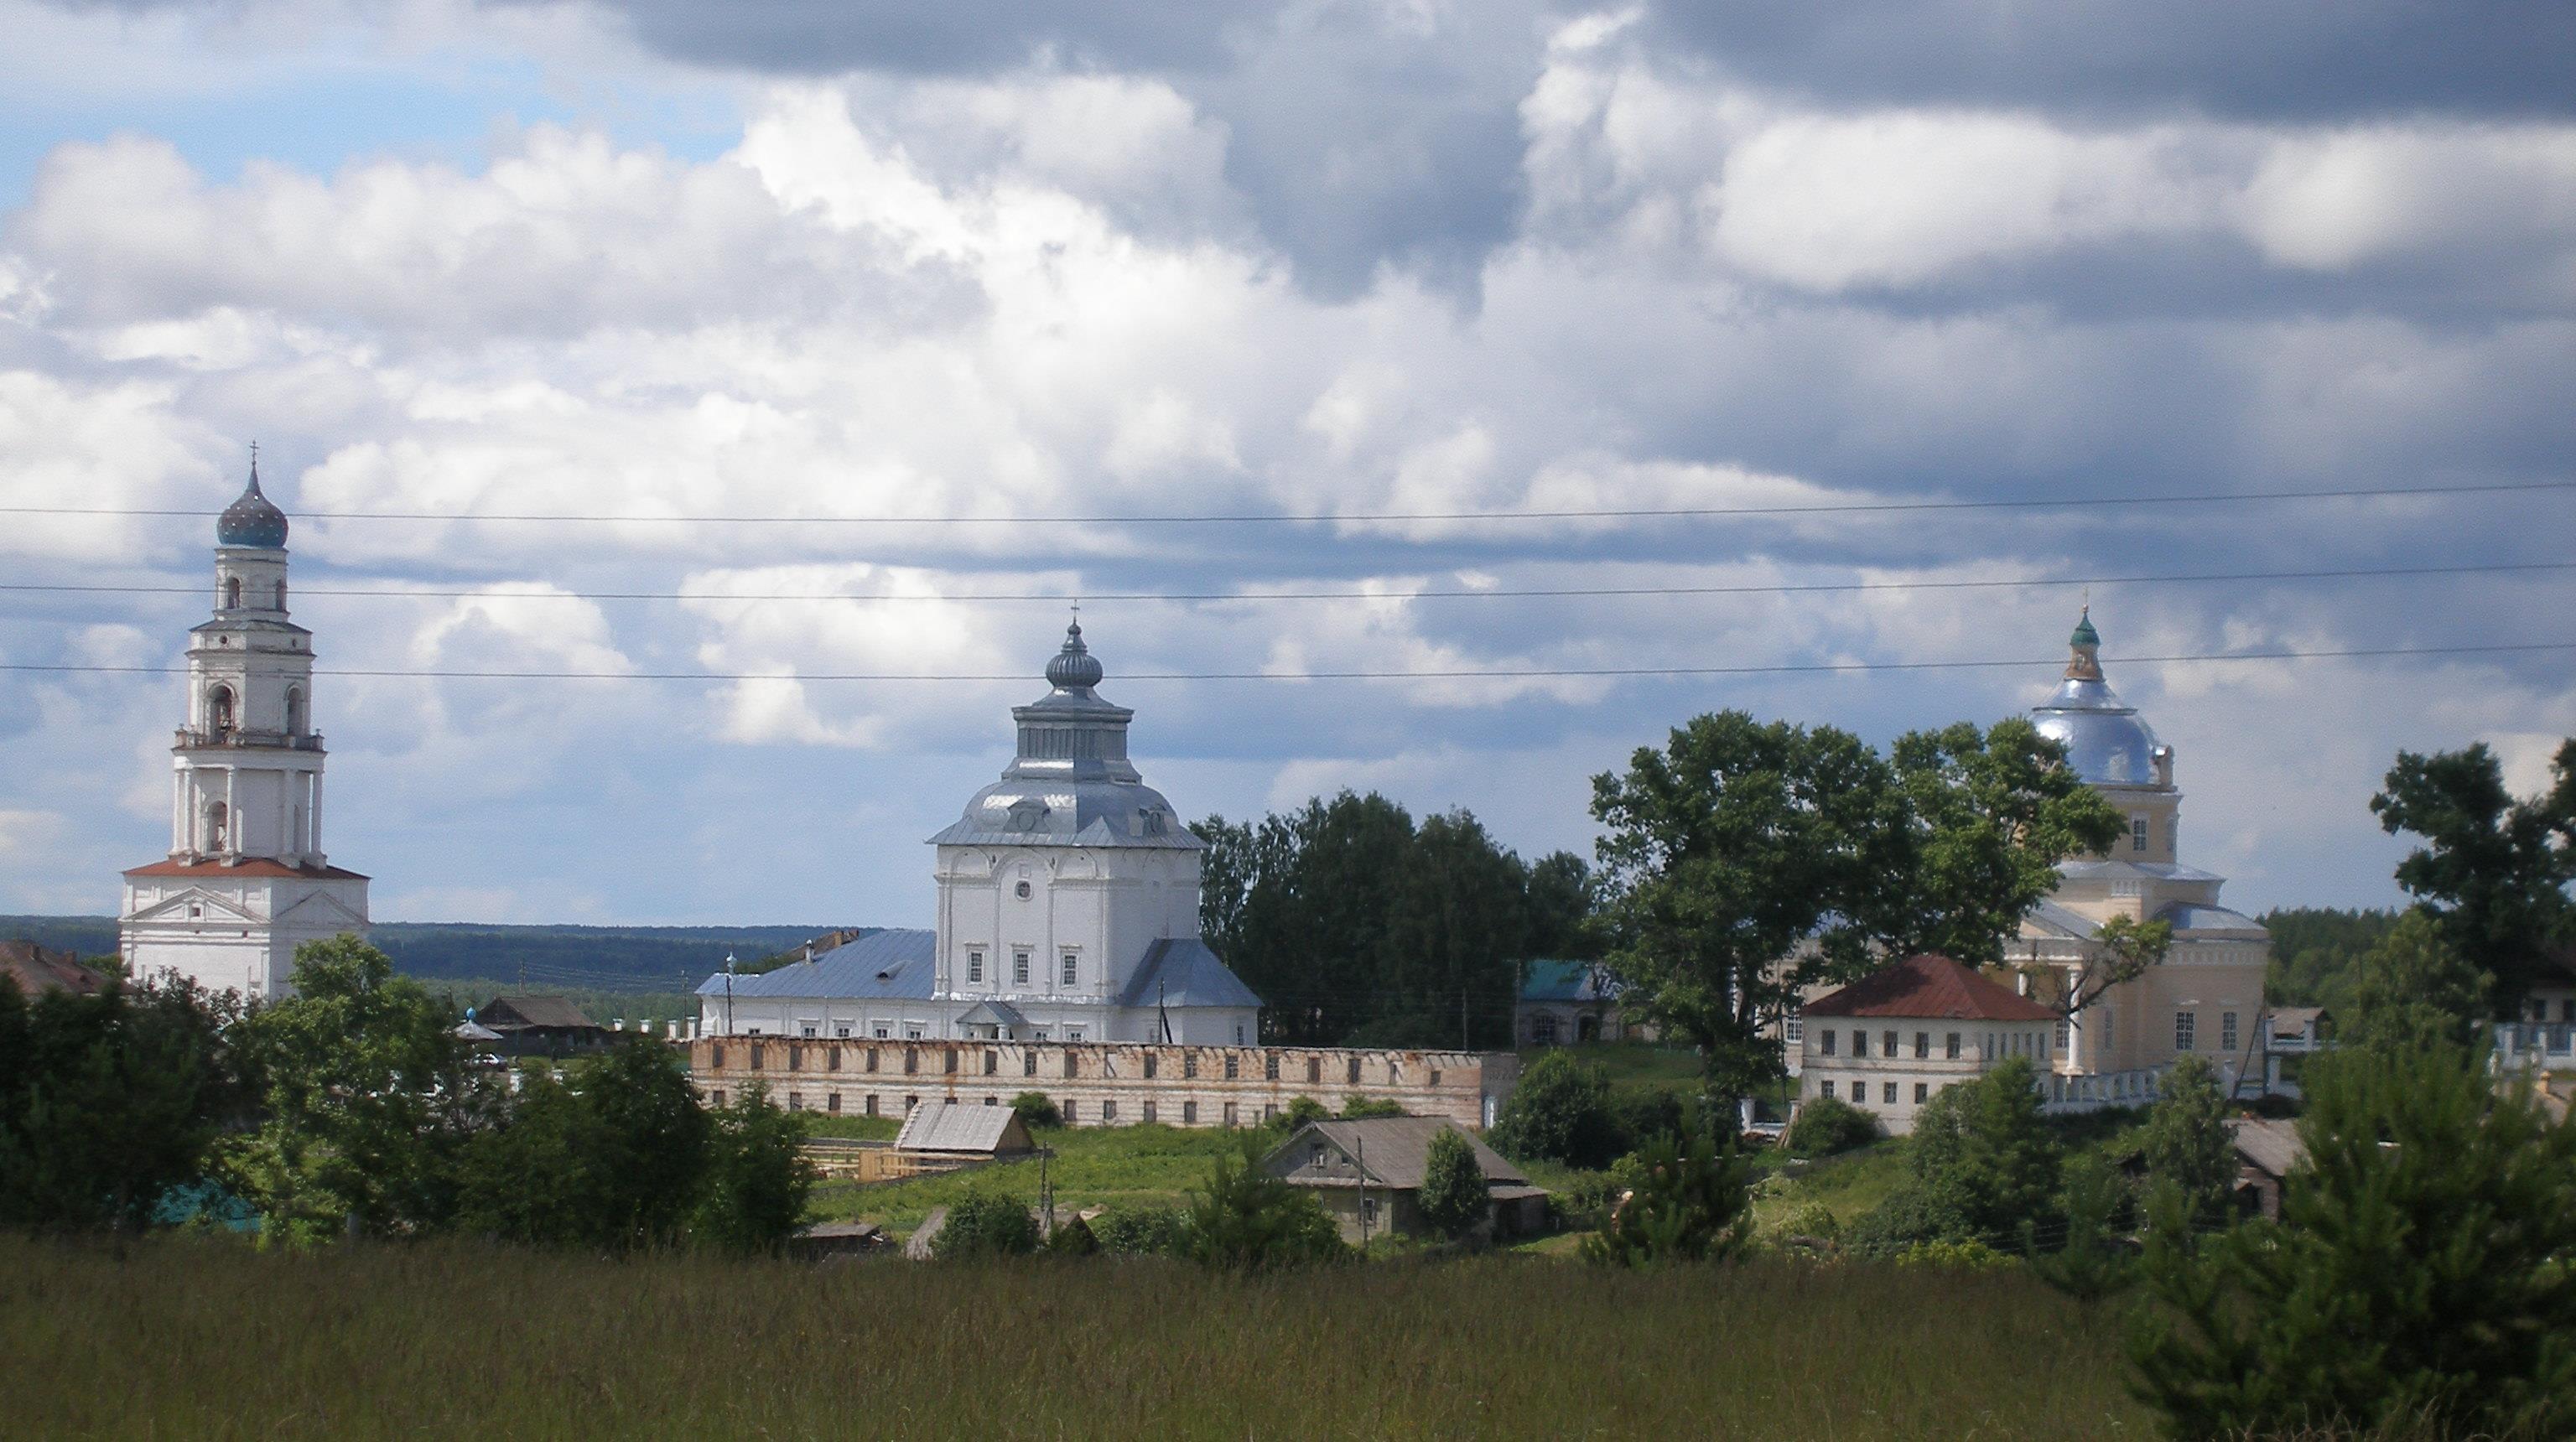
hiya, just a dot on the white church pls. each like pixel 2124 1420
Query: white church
pixel 246 880
pixel 1068 911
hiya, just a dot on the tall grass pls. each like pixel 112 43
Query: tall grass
pixel 188 1338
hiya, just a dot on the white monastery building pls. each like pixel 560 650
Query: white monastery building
pixel 246 880
pixel 1889 1042
pixel 2206 998
pixel 1068 912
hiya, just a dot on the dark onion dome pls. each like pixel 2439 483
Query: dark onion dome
pixel 253 520
pixel 1074 668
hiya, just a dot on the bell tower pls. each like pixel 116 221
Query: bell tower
pixel 246 879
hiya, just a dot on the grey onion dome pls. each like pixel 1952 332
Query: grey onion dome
pixel 1073 668
pixel 2107 742
pixel 253 520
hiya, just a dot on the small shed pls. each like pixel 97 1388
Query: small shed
pixel 2294 1030
pixel 826 1240
pixel 1368 1173
pixel 540 1026
pixel 2267 1151
pixel 947 1130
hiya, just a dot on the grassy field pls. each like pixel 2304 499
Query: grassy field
pixel 1092 1166
pixel 187 1338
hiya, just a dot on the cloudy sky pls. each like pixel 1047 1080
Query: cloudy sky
pixel 1020 263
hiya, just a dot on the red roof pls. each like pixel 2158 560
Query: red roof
pixel 1929 986
pixel 36 969
pixel 249 866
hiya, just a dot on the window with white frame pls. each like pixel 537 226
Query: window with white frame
pixel 2137 831
pixel 2227 1031
pixel 1072 968
pixel 2186 1025
pixel 1792 1029
pixel 975 967
pixel 1019 968
pixel 2065 1030
pixel 1828 1091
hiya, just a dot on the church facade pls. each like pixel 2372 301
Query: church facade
pixel 2206 998
pixel 246 880
pixel 1068 911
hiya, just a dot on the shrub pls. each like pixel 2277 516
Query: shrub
pixel 1357 1108
pixel 757 1177
pixel 1972 1256
pixel 1139 1231
pixel 1914 1213
pixel 1814 1220
pixel 1453 1199
pixel 2419 1279
pixel 1687 1206
pixel 2092 1264
pixel 1560 1111
pixel 1036 1109
pixel 1072 1238
pixel 1643 1114
pixel 1301 1111
pixel 986 1224
pixel 1585 1199
pixel 1247 1220
pixel 1985 1145
pixel 1827 1125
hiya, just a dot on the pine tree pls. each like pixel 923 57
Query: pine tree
pixel 2418 1278
pixel 2091 1265
pixel 1688 1205
pixel 2417 991
pixel 2187 1145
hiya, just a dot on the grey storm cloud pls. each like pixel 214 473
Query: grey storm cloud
pixel 2266 59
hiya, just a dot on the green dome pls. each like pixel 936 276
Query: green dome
pixel 2085 635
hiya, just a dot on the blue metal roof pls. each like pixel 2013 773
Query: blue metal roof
pixel 898 965
pixel 1561 981
pixel 2190 916
pixel 1181 971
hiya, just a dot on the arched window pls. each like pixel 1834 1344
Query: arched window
pixel 232 592
pixel 215 823
pixel 294 712
pixel 281 595
pixel 219 709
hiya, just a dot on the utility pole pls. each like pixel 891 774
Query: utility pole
pixel 1361 1142
pixel 728 993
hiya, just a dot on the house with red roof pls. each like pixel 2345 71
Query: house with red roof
pixel 1891 1041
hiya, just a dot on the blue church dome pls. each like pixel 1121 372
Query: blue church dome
pixel 253 520
pixel 2107 742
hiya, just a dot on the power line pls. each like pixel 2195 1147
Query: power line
pixel 1510 674
pixel 1421 594
pixel 1361 517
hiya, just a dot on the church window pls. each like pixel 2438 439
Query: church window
pixel 1072 969
pixel 217 822
pixel 843 1032
pixel 913 1032
pixel 232 593
pixel 2227 1031
pixel 2185 1025
pixel 281 595
pixel 1021 891
pixel 975 967
pixel 2138 831
pixel 196 912
pixel 1073 1033
pixel 1238 1033
pixel 1019 968
pixel 294 712
pixel 219 708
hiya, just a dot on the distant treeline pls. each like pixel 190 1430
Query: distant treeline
pixel 538 958
pixel 2317 952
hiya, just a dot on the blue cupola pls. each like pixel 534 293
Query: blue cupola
pixel 252 520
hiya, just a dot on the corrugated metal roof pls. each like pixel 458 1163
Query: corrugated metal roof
pixel 1396 1150
pixel 1928 986
pixel 895 965
pixel 2051 917
pixel 2193 916
pixel 951 1126
pixel 1181 971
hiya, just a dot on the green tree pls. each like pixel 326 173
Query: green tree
pixel 1560 1111
pixel 757 1177
pixel 1826 1125
pixel 613 1157
pixel 1455 937
pixel 1725 852
pixel 2415 991
pixel 986 1224
pixel 1036 1109
pixel 1689 1203
pixel 2186 1144
pixel 1453 1199
pixel 2493 870
pixel 1985 1145
pixel 2418 1281
pixel 1992 814
pixel 1246 1220
pixel 366 1097
pixel 2090 1265
pixel 108 1101
pixel 1562 897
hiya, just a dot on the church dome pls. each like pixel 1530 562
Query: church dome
pixel 2106 741
pixel 1074 668
pixel 253 520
